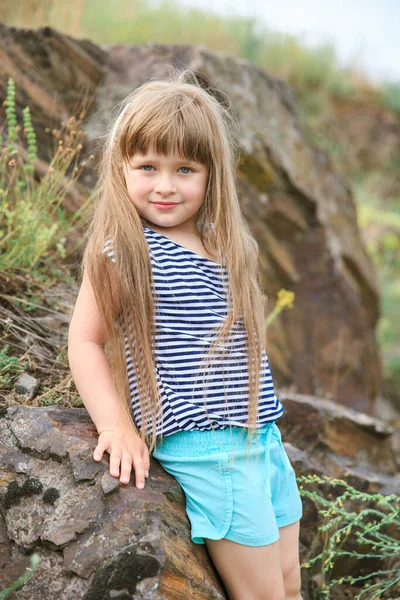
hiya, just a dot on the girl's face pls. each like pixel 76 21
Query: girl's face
pixel 166 190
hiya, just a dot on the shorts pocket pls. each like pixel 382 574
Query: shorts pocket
pixel 207 484
pixel 285 460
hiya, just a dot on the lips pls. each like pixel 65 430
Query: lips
pixel 165 205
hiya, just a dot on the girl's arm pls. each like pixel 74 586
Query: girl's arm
pixel 89 365
pixel 95 384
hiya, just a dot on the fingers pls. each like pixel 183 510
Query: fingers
pixel 124 459
pixel 99 450
pixel 140 469
pixel 126 466
pixel 115 460
pixel 146 459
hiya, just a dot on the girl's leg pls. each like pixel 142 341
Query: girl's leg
pixel 290 562
pixel 260 572
pixel 248 572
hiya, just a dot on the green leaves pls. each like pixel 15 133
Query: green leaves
pixel 33 224
pixel 356 525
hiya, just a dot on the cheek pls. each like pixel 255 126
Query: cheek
pixel 137 188
pixel 197 189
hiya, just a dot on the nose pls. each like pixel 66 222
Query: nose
pixel 165 185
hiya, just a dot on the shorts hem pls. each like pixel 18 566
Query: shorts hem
pixel 264 540
pixel 239 539
pixel 289 519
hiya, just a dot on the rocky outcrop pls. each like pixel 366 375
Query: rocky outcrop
pixel 374 134
pixel 300 209
pixel 99 539
pixel 55 75
pixel 342 443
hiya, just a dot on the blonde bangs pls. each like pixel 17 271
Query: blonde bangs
pixel 175 125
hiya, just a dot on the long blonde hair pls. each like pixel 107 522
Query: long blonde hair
pixel 179 116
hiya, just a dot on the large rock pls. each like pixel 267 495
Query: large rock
pixel 98 539
pixel 300 209
pixel 54 74
pixel 95 536
pixel 373 132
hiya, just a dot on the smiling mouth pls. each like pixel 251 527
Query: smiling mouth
pixel 165 205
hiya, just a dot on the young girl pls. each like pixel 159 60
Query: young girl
pixel 167 341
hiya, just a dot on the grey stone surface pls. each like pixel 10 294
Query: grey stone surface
pixel 26 385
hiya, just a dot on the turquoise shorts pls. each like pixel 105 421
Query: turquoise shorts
pixel 243 501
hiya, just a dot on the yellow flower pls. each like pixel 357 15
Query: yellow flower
pixel 285 299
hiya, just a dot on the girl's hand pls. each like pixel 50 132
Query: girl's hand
pixel 125 447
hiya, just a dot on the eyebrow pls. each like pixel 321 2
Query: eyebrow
pixel 150 158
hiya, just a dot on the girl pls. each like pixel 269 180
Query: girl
pixel 167 342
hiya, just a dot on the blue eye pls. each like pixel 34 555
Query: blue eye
pixel 147 168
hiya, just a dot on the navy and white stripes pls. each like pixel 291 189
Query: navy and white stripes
pixel 190 303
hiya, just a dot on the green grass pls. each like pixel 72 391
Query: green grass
pixel 10 366
pixel 379 219
pixel 33 224
pixel 357 541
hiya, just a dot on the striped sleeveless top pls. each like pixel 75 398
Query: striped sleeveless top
pixel 190 302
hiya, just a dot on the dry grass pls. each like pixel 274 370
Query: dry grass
pixel 34 319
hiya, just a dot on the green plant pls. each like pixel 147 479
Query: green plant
pixel 356 526
pixel 33 225
pixel 34 560
pixel 285 301
pixel 31 140
pixel 9 365
pixel 391 96
pixel 51 398
pixel 63 393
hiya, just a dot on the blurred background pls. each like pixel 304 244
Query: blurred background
pixel 342 61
